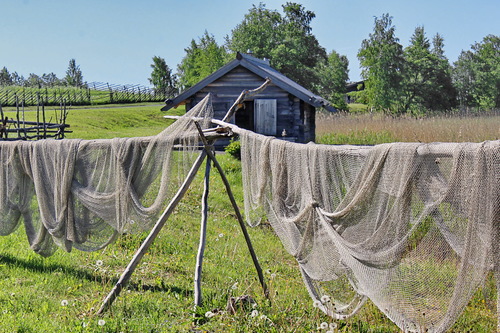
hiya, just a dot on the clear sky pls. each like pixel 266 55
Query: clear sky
pixel 114 41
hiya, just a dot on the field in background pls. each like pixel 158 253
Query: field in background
pixel 61 293
pixel 365 128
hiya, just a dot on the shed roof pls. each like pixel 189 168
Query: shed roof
pixel 261 68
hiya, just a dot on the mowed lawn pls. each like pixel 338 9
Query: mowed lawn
pixel 62 293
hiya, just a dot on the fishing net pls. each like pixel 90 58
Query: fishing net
pixel 83 193
pixel 413 227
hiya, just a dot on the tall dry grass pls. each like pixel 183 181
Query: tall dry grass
pixel 429 129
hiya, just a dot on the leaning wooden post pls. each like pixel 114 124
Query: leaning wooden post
pixel 125 277
pixel 203 237
pixel 239 217
pixel 244 94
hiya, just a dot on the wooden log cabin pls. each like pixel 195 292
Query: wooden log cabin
pixel 284 109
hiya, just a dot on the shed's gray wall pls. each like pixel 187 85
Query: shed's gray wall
pixel 293 116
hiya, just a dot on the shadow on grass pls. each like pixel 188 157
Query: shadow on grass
pixel 38 266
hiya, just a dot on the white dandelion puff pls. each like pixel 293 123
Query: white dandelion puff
pixel 101 322
pixel 254 313
pixel 98 263
pixel 221 235
pixel 64 302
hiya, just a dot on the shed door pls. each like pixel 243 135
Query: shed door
pixel 265 116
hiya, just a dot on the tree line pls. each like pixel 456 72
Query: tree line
pixel 397 80
pixel 73 78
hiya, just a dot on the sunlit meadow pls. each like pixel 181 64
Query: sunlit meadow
pixel 62 293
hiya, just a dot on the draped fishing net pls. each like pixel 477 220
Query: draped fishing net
pixel 83 193
pixel 413 227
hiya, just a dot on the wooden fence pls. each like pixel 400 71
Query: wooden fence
pixel 19 128
pixel 92 93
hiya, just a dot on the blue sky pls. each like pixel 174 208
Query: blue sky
pixel 114 41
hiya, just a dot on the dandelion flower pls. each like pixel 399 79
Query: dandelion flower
pixel 316 304
pixel 325 299
pixel 64 302
pixel 221 235
pixel 209 314
pixel 323 325
pixel 98 263
pixel 254 313
pixel 101 322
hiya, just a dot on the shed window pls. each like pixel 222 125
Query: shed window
pixel 265 116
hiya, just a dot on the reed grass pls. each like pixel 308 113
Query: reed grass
pixel 343 128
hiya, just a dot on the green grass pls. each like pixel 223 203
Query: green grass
pixel 159 298
pixel 107 122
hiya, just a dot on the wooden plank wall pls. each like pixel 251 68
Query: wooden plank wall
pixel 290 117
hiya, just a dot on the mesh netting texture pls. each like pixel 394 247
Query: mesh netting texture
pixel 83 193
pixel 413 227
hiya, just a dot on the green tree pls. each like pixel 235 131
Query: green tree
pixel 476 74
pixel 50 80
pixel 286 40
pixel 464 78
pixel 487 60
pixel 34 81
pixel 17 80
pixel 161 77
pixel 426 76
pixel 444 96
pixel 5 77
pixel 382 60
pixel 333 76
pixel 74 75
pixel 202 59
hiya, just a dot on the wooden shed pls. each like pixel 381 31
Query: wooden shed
pixel 284 109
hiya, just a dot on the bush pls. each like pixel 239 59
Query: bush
pixel 234 149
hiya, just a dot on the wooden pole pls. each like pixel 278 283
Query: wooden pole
pixel 125 277
pixel 239 217
pixel 244 94
pixel 17 117
pixel 203 237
